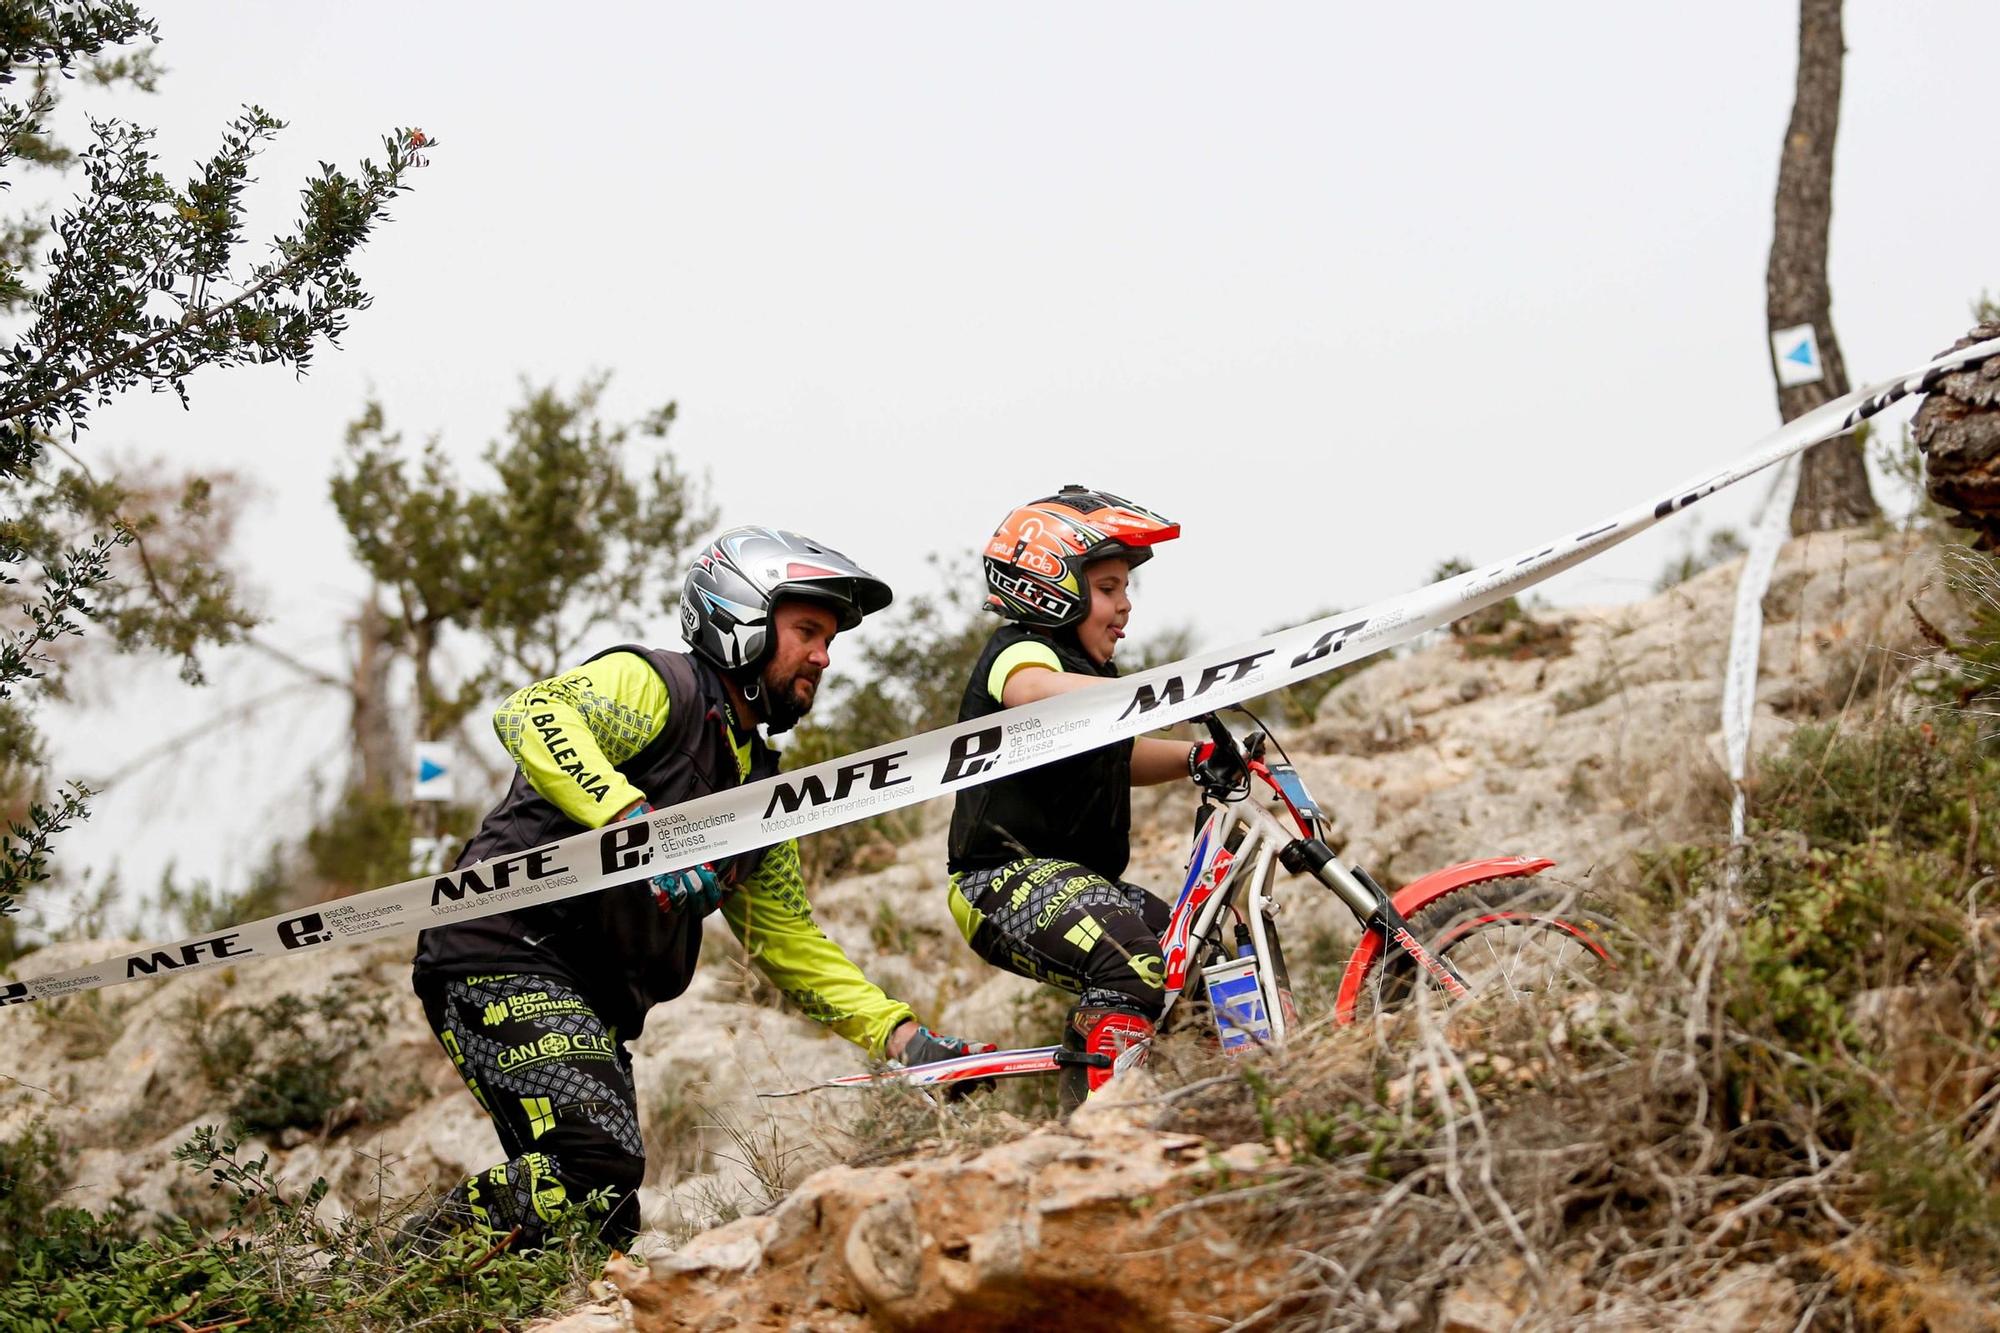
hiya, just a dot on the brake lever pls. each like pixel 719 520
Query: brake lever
pixel 1224 738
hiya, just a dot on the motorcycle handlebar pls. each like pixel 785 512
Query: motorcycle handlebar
pixel 1248 748
pixel 1224 738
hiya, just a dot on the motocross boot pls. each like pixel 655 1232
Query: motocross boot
pixel 1094 1039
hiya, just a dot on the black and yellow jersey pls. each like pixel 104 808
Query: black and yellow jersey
pixel 569 734
pixel 638 723
pixel 1077 809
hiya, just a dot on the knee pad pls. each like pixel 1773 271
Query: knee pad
pixel 525 1193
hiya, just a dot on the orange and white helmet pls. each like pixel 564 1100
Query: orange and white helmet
pixel 1034 564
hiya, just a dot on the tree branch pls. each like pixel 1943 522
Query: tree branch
pixel 306 669
pixel 187 323
pixel 235 713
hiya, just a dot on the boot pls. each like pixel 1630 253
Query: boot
pixel 1094 1040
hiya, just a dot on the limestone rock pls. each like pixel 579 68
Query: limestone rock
pixel 1071 1228
pixel 1616 745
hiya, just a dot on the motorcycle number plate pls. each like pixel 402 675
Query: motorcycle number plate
pixel 1293 788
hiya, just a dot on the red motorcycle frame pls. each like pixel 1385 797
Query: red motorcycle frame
pixel 1407 937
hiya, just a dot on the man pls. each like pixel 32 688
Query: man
pixel 535 1006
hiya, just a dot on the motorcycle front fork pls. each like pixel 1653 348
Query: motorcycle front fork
pixel 1372 906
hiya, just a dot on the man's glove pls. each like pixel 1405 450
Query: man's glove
pixel 1217 768
pixel 694 889
pixel 928 1047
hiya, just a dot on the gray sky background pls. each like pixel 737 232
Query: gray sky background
pixel 1346 289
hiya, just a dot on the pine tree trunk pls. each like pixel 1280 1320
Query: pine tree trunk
pixel 1833 485
pixel 378 770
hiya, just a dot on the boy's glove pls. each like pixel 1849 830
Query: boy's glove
pixel 1215 768
pixel 694 889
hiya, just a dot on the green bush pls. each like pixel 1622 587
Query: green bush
pixel 276 1266
pixel 1833 923
pixel 289 1062
pixel 1916 784
pixel 199 907
pixel 1865 843
pixel 1724 545
pixel 36 1234
pixel 1870 850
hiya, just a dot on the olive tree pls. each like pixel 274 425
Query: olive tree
pixel 141 283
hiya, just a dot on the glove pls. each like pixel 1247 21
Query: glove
pixel 695 888
pixel 1214 767
pixel 928 1047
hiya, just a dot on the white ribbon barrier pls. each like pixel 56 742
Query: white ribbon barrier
pixel 1746 639
pixel 949 759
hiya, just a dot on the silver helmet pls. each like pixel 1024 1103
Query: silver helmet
pixel 732 586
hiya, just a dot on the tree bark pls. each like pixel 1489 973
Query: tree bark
pixel 1958 430
pixel 378 770
pixel 1833 485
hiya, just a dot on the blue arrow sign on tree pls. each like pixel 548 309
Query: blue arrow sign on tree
pixel 1795 351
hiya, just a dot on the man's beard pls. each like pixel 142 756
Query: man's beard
pixel 782 709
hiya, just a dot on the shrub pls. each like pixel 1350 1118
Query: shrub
pixel 85 1025
pixel 1917 784
pixel 277 1266
pixel 1790 1074
pixel 289 1062
pixel 1724 545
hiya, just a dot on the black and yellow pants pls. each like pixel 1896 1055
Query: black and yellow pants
pixel 558 1086
pixel 1057 922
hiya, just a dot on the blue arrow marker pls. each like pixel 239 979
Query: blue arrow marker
pixel 427 770
pixel 1801 354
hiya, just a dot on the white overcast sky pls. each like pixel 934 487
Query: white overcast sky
pixel 1346 289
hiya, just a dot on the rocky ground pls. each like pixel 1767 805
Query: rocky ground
pixel 1593 737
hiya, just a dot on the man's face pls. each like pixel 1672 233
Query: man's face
pixel 802 634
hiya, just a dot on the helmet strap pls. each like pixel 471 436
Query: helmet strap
pixel 729 714
pixel 744 699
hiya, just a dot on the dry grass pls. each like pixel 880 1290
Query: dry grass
pixel 1791 1092
pixel 892 1122
pixel 85 1025
pixel 1615 1155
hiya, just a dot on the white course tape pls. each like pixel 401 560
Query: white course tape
pixel 1746 634
pixel 941 762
